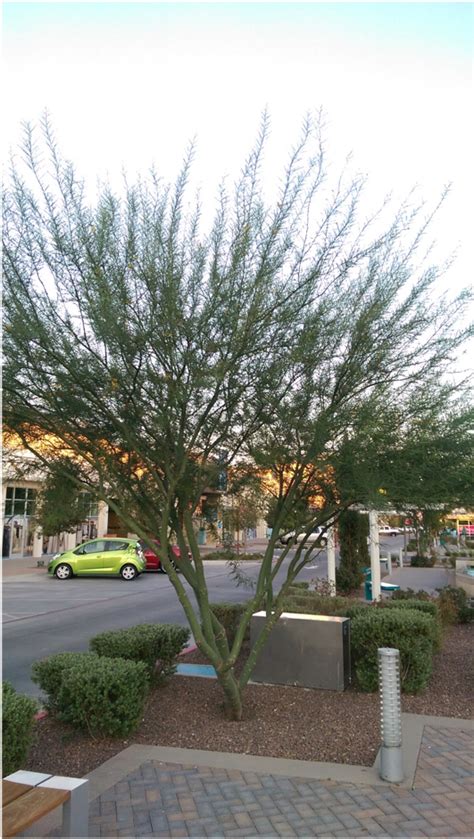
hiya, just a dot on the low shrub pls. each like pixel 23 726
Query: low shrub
pixel 48 673
pixel 453 605
pixel 147 642
pixel 408 630
pixel 411 594
pixel 103 695
pixel 229 615
pixel 427 607
pixel 411 545
pixel 420 561
pixel 233 556
pixel 17 728
pixel 316 604
pixel 301 585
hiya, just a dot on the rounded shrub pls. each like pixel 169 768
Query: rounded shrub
pixel 17 728
pixel 48 673
pixel 426 607
pixel 104 695
pixel 155 644
pixel 408 630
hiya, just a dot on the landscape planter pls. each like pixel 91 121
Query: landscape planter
pixel 311 651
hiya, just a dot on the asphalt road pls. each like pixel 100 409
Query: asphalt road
pixel 42 615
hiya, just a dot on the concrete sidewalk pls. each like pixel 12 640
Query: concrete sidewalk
pixel 165 792
pixel 23 566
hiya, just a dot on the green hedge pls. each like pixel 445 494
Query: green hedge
pixel 17 728
pixel 147 642
pixel 408 630
pixel 420 561
pixel 317 604
pixel 103 695
pixel 229 615
pixel 48 673
pixel 427 608
pixel 301 586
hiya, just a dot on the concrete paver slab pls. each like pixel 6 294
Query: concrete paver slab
pixel 163 798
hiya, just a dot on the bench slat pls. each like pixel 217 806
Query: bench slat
pixel 30 807
pixel 12 790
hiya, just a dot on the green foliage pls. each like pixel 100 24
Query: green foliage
pixel 48 673
pixel 60 505
pixel 303 585
pixel 348 579
pixel 316 604
pixel 295 346
pixel 427 608
pixel 17 728
pixel 411 594
pixel 354 555
pixel 418 561
pixel 103 695
pixel 152 643
pixel 233 556
pixel 453 605
pixel 229 615
pixel 408 630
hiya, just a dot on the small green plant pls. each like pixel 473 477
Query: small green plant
pixel 155 644
pixel 17 728
pixel 103 695
pixel 48 673
pixel 408 630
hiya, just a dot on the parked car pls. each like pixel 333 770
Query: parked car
pixel 318 536
pixel 100 558
pixel 153 561
pixel 385 530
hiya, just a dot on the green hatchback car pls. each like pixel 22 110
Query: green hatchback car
pixel 100 558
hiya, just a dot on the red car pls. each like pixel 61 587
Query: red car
pixel 153 561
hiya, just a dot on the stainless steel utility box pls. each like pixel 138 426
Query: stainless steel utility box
pixel 311 651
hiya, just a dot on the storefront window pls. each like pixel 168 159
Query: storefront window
pixel 20 501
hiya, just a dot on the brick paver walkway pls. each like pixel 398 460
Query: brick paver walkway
pixel 171 800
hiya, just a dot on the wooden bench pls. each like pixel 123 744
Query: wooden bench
pixel 29 796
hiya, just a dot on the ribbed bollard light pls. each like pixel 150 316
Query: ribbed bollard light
pixel 391 767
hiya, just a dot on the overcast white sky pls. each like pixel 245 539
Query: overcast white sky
pixel 128 84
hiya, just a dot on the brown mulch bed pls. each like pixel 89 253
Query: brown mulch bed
pixel 279 721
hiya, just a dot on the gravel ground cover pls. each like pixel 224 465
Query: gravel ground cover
pixel 278 721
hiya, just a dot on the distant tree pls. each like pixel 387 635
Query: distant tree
pixel 296 335
pixel 60 503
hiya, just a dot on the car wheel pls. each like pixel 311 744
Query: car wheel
pixel 128 572
pixel 323 542
pixel 63 571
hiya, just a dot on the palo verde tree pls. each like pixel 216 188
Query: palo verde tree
pixel 144 346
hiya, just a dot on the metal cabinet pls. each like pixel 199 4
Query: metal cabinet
pixel 308 650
